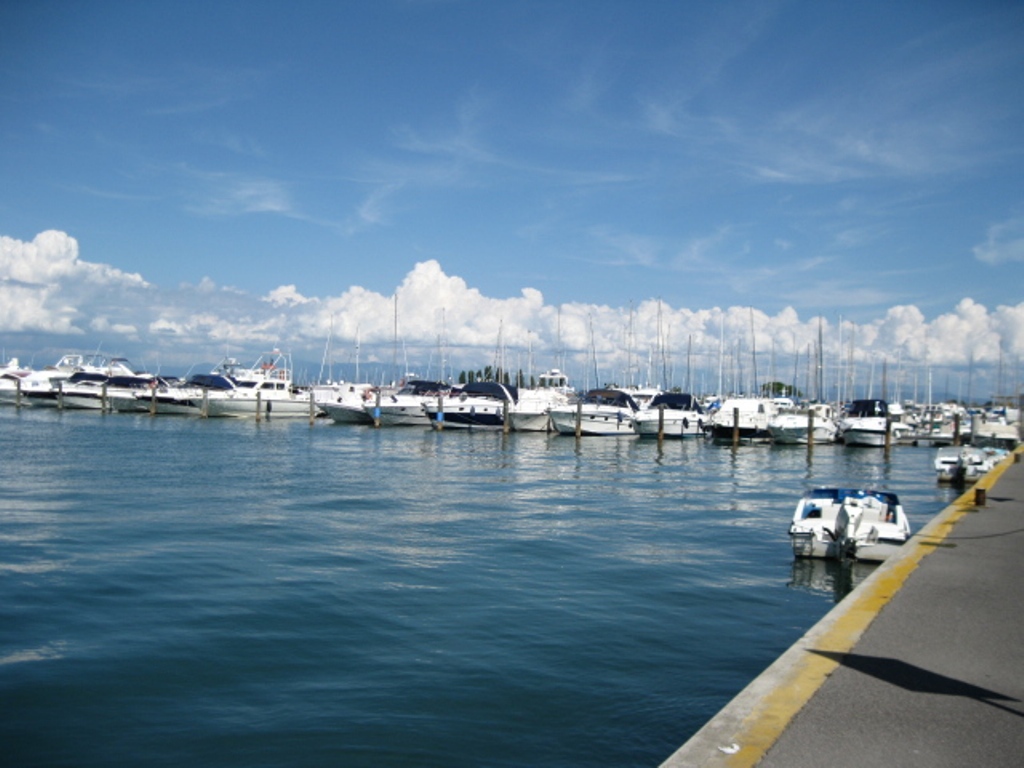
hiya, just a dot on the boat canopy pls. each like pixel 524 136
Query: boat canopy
pixel 842 494
pixel 614 397
pixel 83 376
pixel 676 401
pixel 210 381
pixel 424 387
pixel 130 381
pixel 867 408
pixel 491 389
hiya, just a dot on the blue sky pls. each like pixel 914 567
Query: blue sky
pixel 229 175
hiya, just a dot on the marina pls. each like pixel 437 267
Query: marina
pixel 232 591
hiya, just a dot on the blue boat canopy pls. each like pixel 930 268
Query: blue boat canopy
pixel 615 397
pixel 491 389
pixel 210 381
pixel 842 494
pixel 676 401
pixel 424 387
pixel 866 408
pixel 80 376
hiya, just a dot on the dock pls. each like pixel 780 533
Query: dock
pixel 922 664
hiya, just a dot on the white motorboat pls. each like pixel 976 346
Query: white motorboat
pixel 598 412
pixel 532 412
pixel 345 402
pixel 42 388
pixel 477 405
pixel 848 522
pixel 12 376
pixel 790 427
pixel 865 423
pixel 189 398
pixel 92 387
pixel 962 464
pixel 404 408
pixel 671 414
pixel 745 417
pixel 877 526
pixel 263 390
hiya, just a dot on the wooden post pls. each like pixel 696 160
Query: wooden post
pixel 506 417
pixel 439 420
pixel 60 394
pixel 17 392
pixel 152 399
pixel 205 410
pixel 312 408
pixel 888 435
pixel 376 410
pixel 104 404
pixel 661 422
pixel 810 432
pixel 956 429
pixel 579 419
pixel 735 427
pixel 259 405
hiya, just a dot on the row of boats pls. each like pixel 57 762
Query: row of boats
pixel 267 388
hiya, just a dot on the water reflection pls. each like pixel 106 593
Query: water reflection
pixel 828 577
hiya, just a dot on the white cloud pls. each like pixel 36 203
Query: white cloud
pixel 1005 243
pixel 42 299
pixel 286 296
pixel 53 256
pixel 42 284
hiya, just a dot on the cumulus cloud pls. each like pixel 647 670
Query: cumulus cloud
pixel 43 282
pixel 53 256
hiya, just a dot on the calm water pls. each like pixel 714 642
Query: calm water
pixel 179 591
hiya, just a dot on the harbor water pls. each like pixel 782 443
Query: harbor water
pixel 184 591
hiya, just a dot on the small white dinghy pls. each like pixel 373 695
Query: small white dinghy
pixel 848 522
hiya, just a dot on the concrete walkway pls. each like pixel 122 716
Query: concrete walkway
pixel 921 665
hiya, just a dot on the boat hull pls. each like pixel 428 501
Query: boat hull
pixel 676 426
pixel 247 408
pixel 876 552
pixel 593 422
pixel 530 422
pixel 869 438
pixel 400 415
pixel 798 435
pixel 721 433
pixel 342 413
pixel 806 544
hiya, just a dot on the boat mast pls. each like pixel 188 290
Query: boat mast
pixel 753 351
pixel 394 344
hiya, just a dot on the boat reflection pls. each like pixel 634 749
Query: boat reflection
pixel 831 577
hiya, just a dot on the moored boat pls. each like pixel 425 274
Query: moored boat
pixel 848 522
pixel 962 464
pixel 792 427
pixel 866 423
pixel 598 412
pixel 345 402
pixel 671 414
pixel 404 408
pixel 532 411
pixel 265 389
pixel 477 405
pixel 745 418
